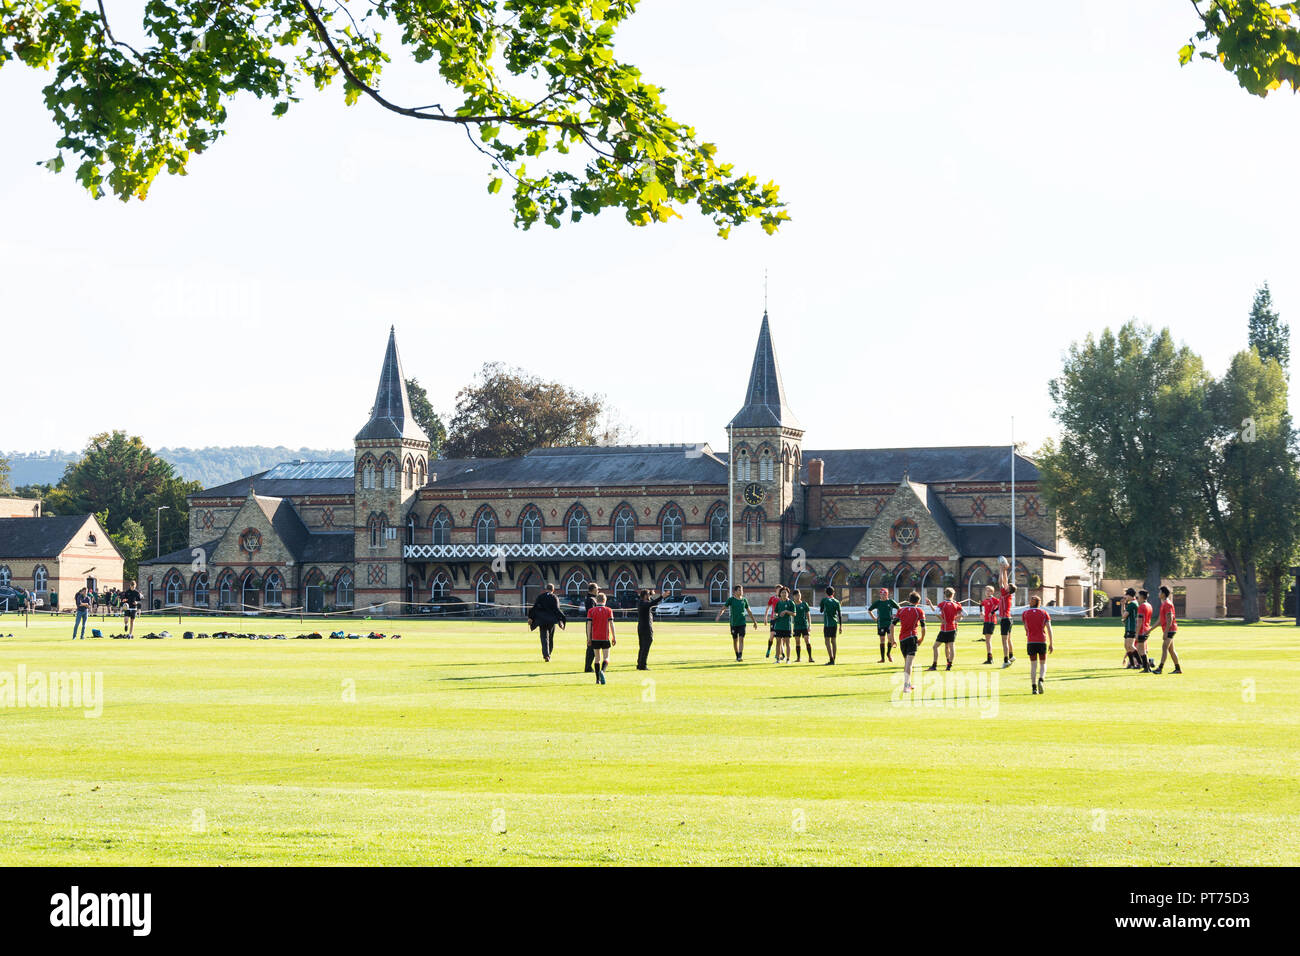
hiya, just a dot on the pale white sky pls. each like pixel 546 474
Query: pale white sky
pixel 972 186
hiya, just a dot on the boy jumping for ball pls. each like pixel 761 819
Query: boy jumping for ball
pixel 1006 590
pixel 1038 642
pixel 910 620
pixel 831 612
pixel 1168 628
pixel 737 607
pixel 882 611
pixel 949 614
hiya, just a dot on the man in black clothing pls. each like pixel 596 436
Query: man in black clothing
pixel 645 628
pixel 588 603
pixel 544 615
pixel 130 604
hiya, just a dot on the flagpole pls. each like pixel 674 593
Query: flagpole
pixel 731 519
pixel 1013 499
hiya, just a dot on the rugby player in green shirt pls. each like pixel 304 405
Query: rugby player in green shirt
pixel 737 607
pixel 882 612
pixel 830 608
pixel 801 625
pixel 783 623
pixel 1130 629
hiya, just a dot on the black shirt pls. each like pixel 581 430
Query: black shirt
pixel 644 618
pixel 546 610
pixel 131 599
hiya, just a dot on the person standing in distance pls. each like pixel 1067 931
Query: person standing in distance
pixel 949 615
pixel 83 609
pixel 131 600
pixel 1168 628
pixel 911 626
pixel 545 614
pixel 882 611
pixel 600 635
pixel 831 613
pixel 737 607
pixel 588 602
pixel 1038 642
pixel 990 608
pixel 646 600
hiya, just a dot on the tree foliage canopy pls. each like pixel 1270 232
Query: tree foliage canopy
pixel 537 82
pixel 1256 41
pixel 1269 335
pixel 507 413
pixel 426 417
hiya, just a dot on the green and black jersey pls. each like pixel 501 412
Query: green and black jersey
pixel 830 608
pixel 783 623
pixel 1131 619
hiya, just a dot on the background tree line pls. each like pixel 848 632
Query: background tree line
pixel 1157 459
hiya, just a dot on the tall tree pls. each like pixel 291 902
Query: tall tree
pixel 426 417
pixel 1248 476
pixel 1255 40
pixel 1129 408
pixel 120 477
pixel 5 488
pixel 506 412
pixel 537 84
pixel 1269 335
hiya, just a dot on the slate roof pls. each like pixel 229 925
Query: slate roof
pixel 765 405
pixel 278 487
pixel 286 522
pixel 833 542
pixel 41 537
pixel 873 466
pixel 609 466
pixel 390 416
pixel 328 547
pixel 182 555
pixel 938 511
pixel 991 540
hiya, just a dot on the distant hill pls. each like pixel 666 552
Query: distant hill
pixel 208 466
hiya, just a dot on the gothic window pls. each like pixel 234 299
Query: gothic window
pixel 440 526
pixel 575 586
pixel 421 474
pixel 718 587
pixel 409 473
pixel 670 523
pixel 40 579
pixel 390 474
pixel 173 588
pixel 367 472
pixel 671 584
pixel 378 526
pixel 530 526
pixel 201 589
pixel 718 522
pixel 343 590
pixel 624 525
pixel 742 465
pixel 577 524
pixel 624 588
pixel 485 526
pixel 274 589
pixel 249 591
pixel 5 575
pixel 225 591
pixel 485 588
pixel 766 467
pixel 753 519
pixel 439 587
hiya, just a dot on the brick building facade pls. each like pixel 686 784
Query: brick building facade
pixel 393 529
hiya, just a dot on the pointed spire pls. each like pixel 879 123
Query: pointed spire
pixel 765 398
pixel 390 416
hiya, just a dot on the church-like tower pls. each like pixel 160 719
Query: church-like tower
pixel 392 464
pixel 765 458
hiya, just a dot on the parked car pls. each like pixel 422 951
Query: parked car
pixel 12 599
pixel 688 606
pixel 450 606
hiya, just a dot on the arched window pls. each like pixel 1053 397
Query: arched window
pixel 439 587
pixel 421 474
pixel 249 591
pixel 577 524
pixel 624 525
pixel 274 589
pixel 766 466
pixel 200 582
pixel 575 586
pixel 410 529
pixel 225 590
pixel 670 586
pixel 753 519
pixel 485 588
pixel 671 520
pixel 485 526
pixel 40 579
pixel 624 587
pixel 378 525
pixel 390 472
pixel 173 588
pixel 5 575
pixel 718 586
pixel 409 473
pixel 440 526
pixel 343 593
pixel 530 526
pixel 718 522
pixel 742 464
pixel 367 472
pixel 976 579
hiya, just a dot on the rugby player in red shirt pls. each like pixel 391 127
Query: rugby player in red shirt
pixel 600 636
pixel 1038 642
pixel 1144 630
pixel 1168 628
pixel 989 606
pixel 909 620
pixel 949 614
pixel 1006 590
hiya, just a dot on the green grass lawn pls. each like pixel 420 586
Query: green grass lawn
pixel 458 745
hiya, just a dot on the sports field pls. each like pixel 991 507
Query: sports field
pixel 456 744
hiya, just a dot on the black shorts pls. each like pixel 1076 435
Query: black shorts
pixel 1170 635
pixel 1142 638
pixel 801 632
pixel 1005 624
pixel 830 631
pixel 946 637
pixel 597 645
pixel 128 612
pixel 989 627
pixel 908 646
pixel 882 631
pixel 737 630
pixel 780 634
pixel 1037 648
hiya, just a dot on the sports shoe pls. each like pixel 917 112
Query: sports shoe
pixel 933 667
pixel 1176 670
pixel 990 659
pixel 1040 686
pixel 948 668
pixel 1159 670
pixel 1006 662
pixel 1033 688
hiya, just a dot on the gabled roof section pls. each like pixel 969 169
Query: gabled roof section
pixel 182 555
pixel 992 540
pixel 765 405
pixel 284 519
pixel 607 466
pixel 941 465
pixel 390 416
pixel 44 537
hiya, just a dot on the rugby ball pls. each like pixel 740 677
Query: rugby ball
pixel 1003 562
